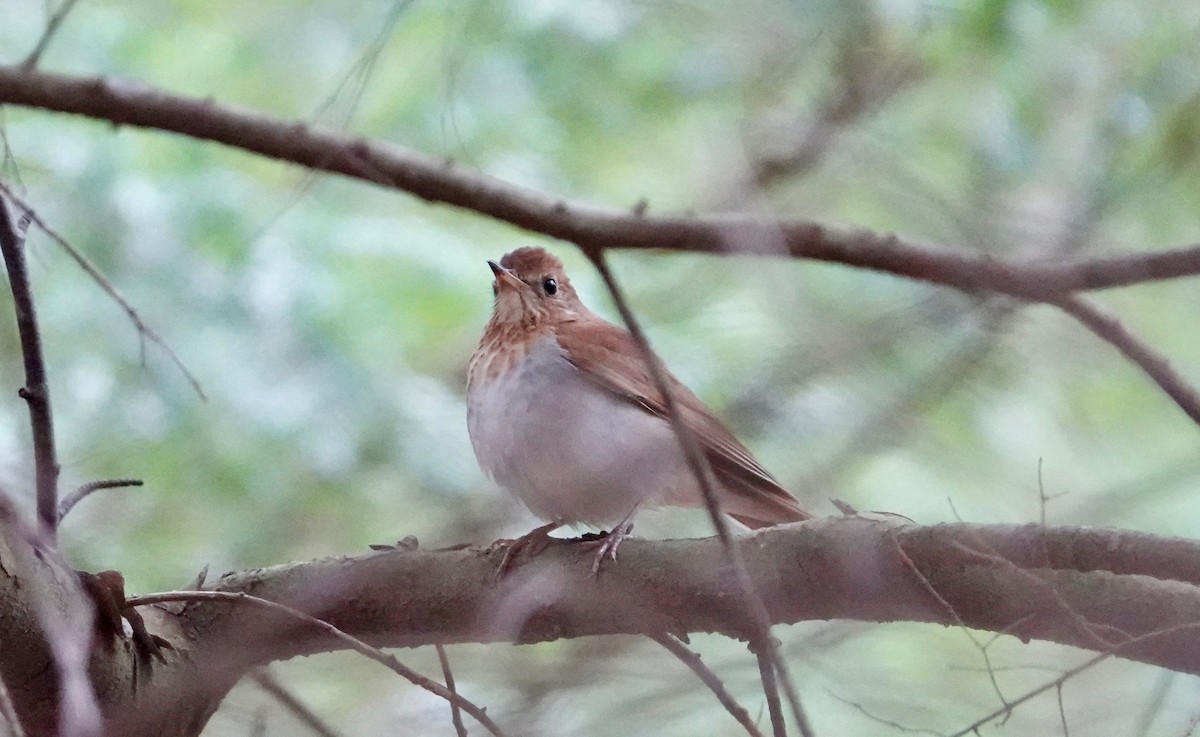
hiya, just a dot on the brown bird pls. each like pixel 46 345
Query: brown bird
pixel 564 414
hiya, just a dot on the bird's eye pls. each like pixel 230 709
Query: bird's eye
pixel 550 285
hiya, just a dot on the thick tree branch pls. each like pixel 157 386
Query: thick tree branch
pixel 45 630
pixel 1060 584
pixel 129 102
pixel 1000 578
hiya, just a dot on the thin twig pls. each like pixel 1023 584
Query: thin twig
pixel 269 683
pixel 766 673
pixel 455 713
pixel 702 470
pixel 1069 674
pixel 886 722
pixel 435 179
pixel 1043 498
pixel 709 678
pixel 52 24
pixel 70 500
pixel 362 68
pixel 1108 328
pixel 357 645
pixel 36 391
pixel 85 263
pixel 954 615
pixel 1062 712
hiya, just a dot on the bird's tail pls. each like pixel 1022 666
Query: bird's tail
pixel 778 513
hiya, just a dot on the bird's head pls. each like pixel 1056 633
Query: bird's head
pixel 531 287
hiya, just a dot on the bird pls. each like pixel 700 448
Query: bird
pixel 564 414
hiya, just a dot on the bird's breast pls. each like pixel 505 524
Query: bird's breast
pixel 571 451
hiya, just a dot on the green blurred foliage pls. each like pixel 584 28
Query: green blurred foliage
pixel 330 322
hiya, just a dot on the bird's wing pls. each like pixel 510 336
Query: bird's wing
pixel 610 358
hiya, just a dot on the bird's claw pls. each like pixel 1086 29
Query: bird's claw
pixel 106 590
pixel 606 544
pixel 531 543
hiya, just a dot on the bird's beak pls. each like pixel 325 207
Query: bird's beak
pixel 505 279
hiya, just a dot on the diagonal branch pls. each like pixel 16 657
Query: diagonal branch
pixel 130 102
pixel 52 24
pixel 115 294
pixel 1108 328
pixel 1057 683
pixel 760 621
pixel 347 640
pixel 84 491
pixel 267 681
pixel 36 391
pixel 448 675
pixel 708 678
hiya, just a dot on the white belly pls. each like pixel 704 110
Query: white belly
pixel 570 451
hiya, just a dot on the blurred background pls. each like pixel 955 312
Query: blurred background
pixel 330 322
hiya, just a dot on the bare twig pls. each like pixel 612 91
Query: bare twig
pixel 126 102
pixel 1154 703
pixel 70 500
pixel 1108 328
pixel 115 294
pixel 36 391
pixel 1043 498
pixel 359 73
pixel 455 713
pixel 267 681
pixel 886 722
pixel 708 678
pixel 766 673
pixel 355 644
pixel 52 23
pixel 1062 712
pixel 1067 675
pixel 752 602
pixel 954 616
pixel 864 80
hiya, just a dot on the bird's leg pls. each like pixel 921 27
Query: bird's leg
pixel 533 542
pixel 607 546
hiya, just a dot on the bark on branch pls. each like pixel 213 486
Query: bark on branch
pixel 130 102
pixel 1095 589
pixel 1003 578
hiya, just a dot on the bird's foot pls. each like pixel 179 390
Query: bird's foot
pixel 530 544
pixel 106 590
pixel 606 544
